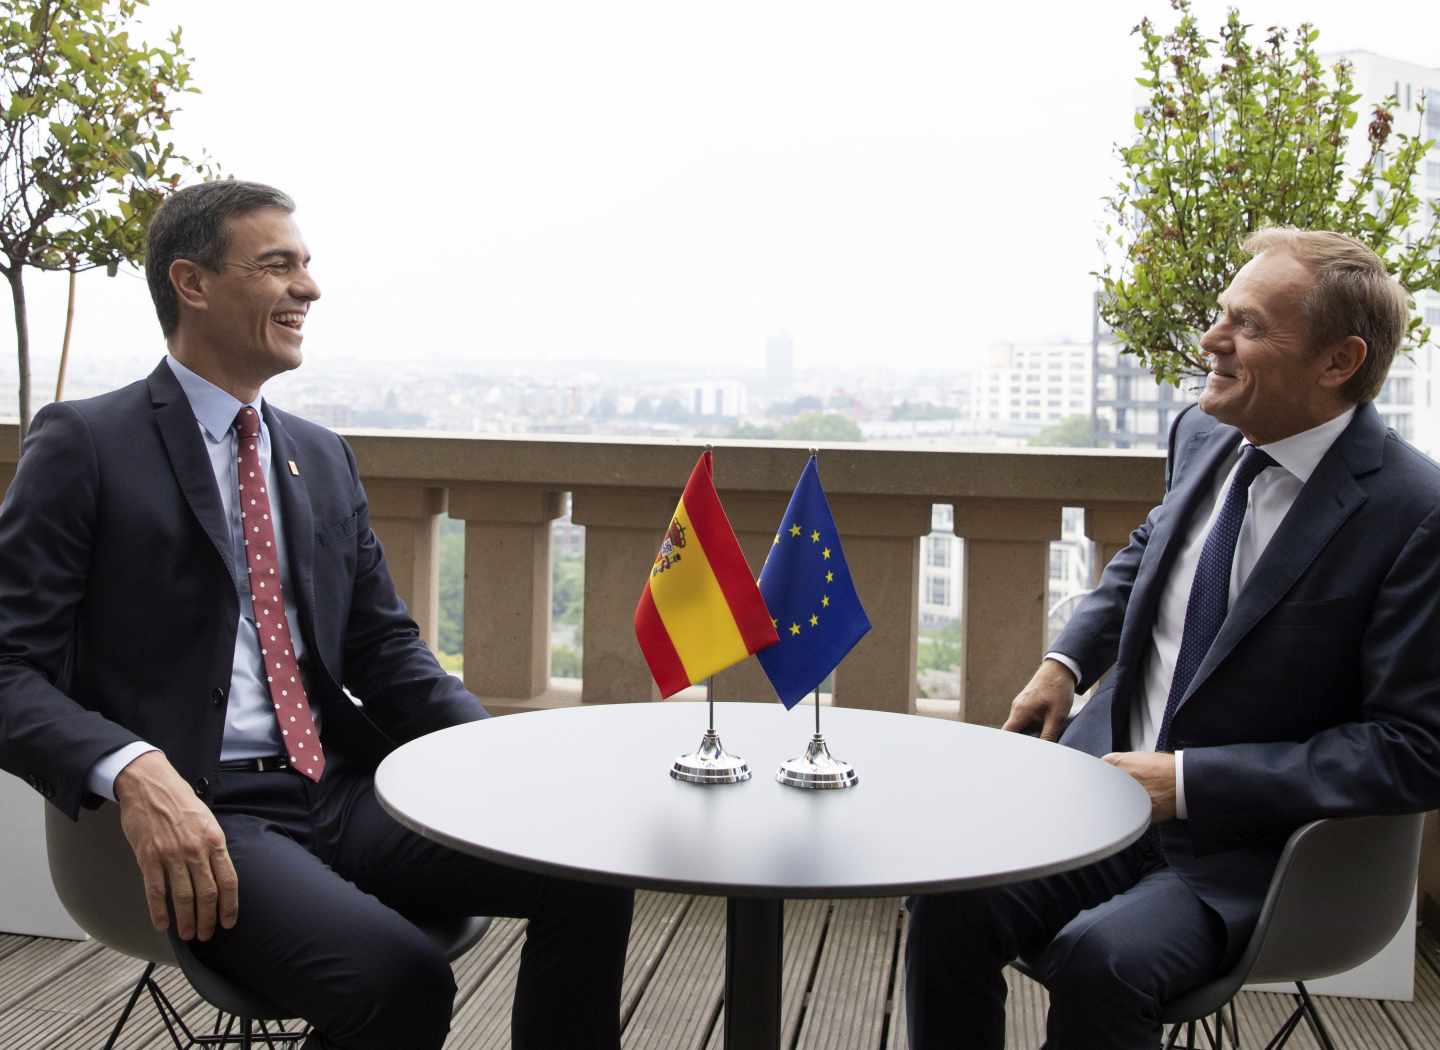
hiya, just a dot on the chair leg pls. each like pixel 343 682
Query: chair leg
pixel 1287 1029
pixel 245 1043
pixel 1312 1015
pixel 129 1006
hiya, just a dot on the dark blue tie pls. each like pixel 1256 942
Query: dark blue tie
pixel 1210 593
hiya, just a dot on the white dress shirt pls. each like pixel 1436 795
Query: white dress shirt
pixel 1271 495
pixel 250 727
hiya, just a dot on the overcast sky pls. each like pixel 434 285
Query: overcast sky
pixel 890 182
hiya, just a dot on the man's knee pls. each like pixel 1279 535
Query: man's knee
pixel 1084 964
pixel 973 922
pixel 404 995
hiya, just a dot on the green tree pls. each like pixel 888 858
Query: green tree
pixel 85 156
pixel 1070 432
pixel 821 426
pixel 451 632
pixel 1240 134
pixel 941 649
pixel 567 591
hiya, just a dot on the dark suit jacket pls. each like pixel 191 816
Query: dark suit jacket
pixel 118 612
pixel 1321 694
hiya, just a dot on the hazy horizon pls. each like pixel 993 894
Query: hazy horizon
pixel 895 187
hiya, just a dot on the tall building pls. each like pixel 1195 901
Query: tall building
pixel 1409 401
pixel 1131 409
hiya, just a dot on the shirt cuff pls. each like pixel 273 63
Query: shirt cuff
pixel 1067 663
pixel 1181 813
pixel 101 778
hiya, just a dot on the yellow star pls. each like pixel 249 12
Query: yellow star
pixel 815 536
pixel 829 577
pixel 775 540
pixel 824 601
pixel 825 554
pixel 814 620
pixel 774 622
pixel 794 628
pixel 795 530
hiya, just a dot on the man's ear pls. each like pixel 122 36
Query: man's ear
pixel 190 281
pixel 1343 360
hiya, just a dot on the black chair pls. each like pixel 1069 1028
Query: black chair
pixel 1339 894
pixel 99 883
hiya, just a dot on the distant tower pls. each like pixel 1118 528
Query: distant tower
pixel 780 365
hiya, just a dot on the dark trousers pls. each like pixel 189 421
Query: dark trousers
pixel 1112 942
pixel 327 879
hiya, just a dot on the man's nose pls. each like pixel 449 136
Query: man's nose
pixel 306 288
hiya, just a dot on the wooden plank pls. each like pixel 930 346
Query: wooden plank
pixel 682 1000
pixel 37 965
pixel 474 967
pixel 141 1030
pixel 898 1037
pixel 657 919
pixel 852 982
pixel 1352 1022
pixel 804 932
pixel 59 1006
pixel 483 1022
pixel 12 942
pixel 1025 1011
pixel 1418 1021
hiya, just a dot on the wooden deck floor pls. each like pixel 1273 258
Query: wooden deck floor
pixel 842 988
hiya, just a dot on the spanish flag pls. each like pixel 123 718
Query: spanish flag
pixel 700 611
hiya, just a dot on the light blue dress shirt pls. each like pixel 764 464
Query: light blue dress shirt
pixel 250 727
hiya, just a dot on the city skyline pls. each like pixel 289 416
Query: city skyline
pixel 643 185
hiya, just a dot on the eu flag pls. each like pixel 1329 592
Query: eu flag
pixel 807 586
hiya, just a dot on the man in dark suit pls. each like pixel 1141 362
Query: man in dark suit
pixel 1271 635
pixel 188 584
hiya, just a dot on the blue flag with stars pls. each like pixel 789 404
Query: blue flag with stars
pixel 806 585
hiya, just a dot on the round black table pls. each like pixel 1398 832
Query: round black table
pixel 586 793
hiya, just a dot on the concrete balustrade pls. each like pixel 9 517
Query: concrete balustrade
pixel 508 490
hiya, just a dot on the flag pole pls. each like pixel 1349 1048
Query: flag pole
pixel 817 769
pixel 710 763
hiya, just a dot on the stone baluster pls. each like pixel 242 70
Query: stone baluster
pixel 1109 525
pixel 507 586
pixel 406 518
pixel 623 530
pixel 1006 569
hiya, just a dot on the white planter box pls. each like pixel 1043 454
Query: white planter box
pixel 28 904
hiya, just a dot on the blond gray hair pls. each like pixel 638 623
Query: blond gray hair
pixel 1353 294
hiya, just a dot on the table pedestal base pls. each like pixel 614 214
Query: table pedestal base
pixel 753 955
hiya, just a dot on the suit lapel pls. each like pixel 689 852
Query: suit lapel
pixel 1324 504
pixel 185 446
pixel 1208 450
pixel 299 519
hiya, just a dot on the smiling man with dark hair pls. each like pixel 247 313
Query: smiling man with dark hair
pixel 191 586
pixel 1270 636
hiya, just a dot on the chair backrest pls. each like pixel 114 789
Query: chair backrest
pixel 99 883
pixel 1342 888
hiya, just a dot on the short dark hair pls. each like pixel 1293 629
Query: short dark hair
pixel 190 224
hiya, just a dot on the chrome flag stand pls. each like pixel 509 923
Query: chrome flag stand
pixel 816 770
pixel 710 763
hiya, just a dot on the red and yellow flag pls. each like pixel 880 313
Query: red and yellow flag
pixel 700 611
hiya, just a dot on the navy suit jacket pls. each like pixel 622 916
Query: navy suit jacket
pixel 118 611
pixel 1321 694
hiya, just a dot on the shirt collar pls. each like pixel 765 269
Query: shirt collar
pixel 214 409
pixel 1301 453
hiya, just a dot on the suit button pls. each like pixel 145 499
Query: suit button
pixel 202 787
pixel 217 696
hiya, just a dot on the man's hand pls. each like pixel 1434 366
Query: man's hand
pixel 1155 770
pixel 1045 700
pixel 177 841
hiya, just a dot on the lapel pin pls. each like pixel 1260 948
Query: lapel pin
pixel 294 469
